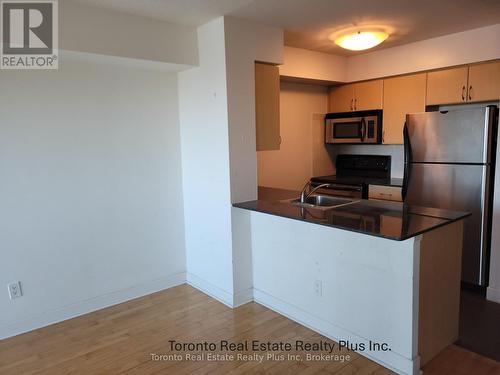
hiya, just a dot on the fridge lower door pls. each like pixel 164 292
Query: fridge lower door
pixel 463 188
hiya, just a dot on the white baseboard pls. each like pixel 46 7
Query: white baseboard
pixel 390 359
pixel 493 294
pixel 210 289
pixel 90 305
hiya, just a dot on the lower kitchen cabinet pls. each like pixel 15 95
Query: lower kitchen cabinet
pixel 402 95
pixel 386 193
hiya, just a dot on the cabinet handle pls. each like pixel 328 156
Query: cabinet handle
pixel 470 92
pixel 355 104
pixel 463 93
pixel 352 108
pixel 383 136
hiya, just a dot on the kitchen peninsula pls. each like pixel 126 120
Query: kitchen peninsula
pixel 382 276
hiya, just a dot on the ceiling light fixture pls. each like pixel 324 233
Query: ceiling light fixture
pixel 361 40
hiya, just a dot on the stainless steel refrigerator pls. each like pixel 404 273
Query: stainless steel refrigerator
pixel 449 163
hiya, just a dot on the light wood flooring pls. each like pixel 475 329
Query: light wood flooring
pixel 121 339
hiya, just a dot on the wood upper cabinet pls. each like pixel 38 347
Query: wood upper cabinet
pixel 484 82
pixel 357 96
pixel 368 95
pixel 402 95
pixel 447 86
pixel 474 83
pixel 267 107
pixel 341 98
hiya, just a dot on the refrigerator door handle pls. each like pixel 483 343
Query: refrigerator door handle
pixel 485 226
pixel 407 144
pixel 490 134
pixel 407 160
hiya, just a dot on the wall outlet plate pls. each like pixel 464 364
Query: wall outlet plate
pixel 15 290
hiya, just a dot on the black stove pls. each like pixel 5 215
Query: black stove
pixel 358 171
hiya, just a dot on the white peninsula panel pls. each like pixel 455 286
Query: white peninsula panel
pixel 367 285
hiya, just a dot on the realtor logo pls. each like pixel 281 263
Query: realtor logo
pixel 29 35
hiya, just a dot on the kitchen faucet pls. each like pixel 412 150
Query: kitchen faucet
pixel 304 195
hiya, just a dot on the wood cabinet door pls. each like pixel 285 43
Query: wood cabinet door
pixel 341 98
pixel 267 107
pixel 368 95
pixel 484 82
pixel 447 86
pixel 402 95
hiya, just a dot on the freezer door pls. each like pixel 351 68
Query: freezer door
pixel 463 188
pixel 460 136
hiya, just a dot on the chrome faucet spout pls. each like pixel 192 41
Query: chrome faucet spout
pixel 303 192
pixel 304 195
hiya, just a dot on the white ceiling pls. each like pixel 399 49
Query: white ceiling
pixel 308 23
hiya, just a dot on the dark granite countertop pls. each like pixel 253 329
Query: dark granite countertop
pixel 393 220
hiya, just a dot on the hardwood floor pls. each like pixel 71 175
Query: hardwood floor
pixel 121 340
pixel 458 361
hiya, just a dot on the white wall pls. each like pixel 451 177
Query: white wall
pixel 95 30
pixel 246 42
pixel 306 64
pixel 217 114
pixel 454 49
pixel 91 200
pixel 205 166
pixel 302 109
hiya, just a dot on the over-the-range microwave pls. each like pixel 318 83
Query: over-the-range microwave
pixel 360 127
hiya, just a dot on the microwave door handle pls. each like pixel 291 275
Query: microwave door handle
pixel 363 129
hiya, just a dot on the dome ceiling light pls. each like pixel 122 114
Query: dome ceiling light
pixel 360 40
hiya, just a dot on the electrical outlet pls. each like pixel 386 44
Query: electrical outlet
pixel 15 290
pixel 318 288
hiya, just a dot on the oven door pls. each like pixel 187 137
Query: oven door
pixel 345 130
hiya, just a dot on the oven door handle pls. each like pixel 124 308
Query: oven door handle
pixel 339 187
